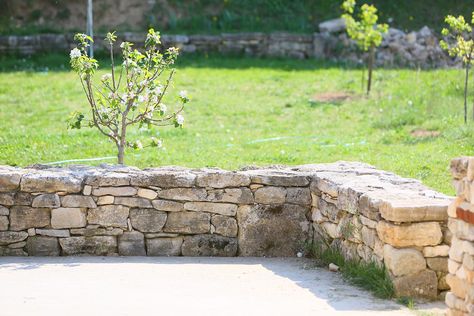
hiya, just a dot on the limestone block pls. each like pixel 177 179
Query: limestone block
pixel 277 178
pixel 461 229
pixel 331 211
pixel 78 201
pixel 453 266
pixel 42 246
pixel 4 211
pixel 25 199
pixel 49 181
pixel 317 216
pixel 115 191
pixel 52 232
pixel 46 200
pixel 131 244
pixel 458 286
pixel 109 216
pixel 147 193
pixel 225 225
pixel 455 303
pixel 209 246
pixel 7 238
pixel 87 190
pixel 164 246
pixel 106 199
pixel 332 26
pixel 327 186
pixel 416 234
pixel 97 245
pixel 301 196
pixel 368 222
pixel 216 208
pixel 23 217
pixel 10 180
pixel 270 195
pixel 188 223
pixel 438 264
pixel 436 251
pixel 17 245
pixel 233 195
pixel 168 206
pixel 109 179
pixel 272 231
pixel 183 194
pixel 4 222
pixel 421 284
pixel 368 236
pixel 222 179
pixel 403 261
pixel 90 231
pixel 7 199
pixel 147 220
pixel 164 179
pixel 415 210
pixel 68 218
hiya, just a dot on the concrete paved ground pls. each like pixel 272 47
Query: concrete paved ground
pixel 181 286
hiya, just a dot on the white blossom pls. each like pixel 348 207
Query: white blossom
pixel 142 98
pixel 180 119
pixel 159 89
pixel 106 77
pixel 183 94
pixel 163 108
pixel 75 53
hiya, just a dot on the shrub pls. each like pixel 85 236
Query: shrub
pixel 131 94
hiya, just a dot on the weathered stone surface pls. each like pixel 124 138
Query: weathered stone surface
pixel 216 208
pixel 9 180
pixel 278 178
pixel 68 218
pixel 111 179
pixel 436 251
pixel 458 286
pixel 7 199
pixel 17 245
pixel 87 190
pixel 188 223
pixel 106 199
pixel 46 200
pixel 225 225
pixel 164 179
pixel 78 201
pixel 416 234
pixel 147 193
pixel 23 217
pixel 461 229
pixel 97 245
pixel 272 231
pixel 164 246
pixel 12 237
pixel 4 222
pixel 234 195
pixel 131 244
pixel 415 210
pixel 222 179
pixel 115 191
pixel 403 261
pixel 25 199
pixel 147 220
pixel 42 246
pixel 109 216
pixel 4 211
pixel 183 194
pixel 422 284
pixel 331 211
pixel 168 206
pixel 89 231
pixel 270 195
pixel 369 236
pixel 332 26
pixel 300 196
pixel 209 246
pixel 52 232
pixel 5 251
pixel 438 264
pixel 133 202
pixel 49 181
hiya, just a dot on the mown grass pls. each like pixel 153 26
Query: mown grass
pixel 251 111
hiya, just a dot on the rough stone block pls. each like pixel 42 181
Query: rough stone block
pixel 183 194
pixel 115 191
pixel 188 223
pixel 222 179
pixel 422 284
pixel 4 222
pixel 52 232
pixel 168 206
pixel 147 193
pixel 49 181
pixel 147 220
pixel 7 238
pixel 225 225
pixel 416 234
pixel 90 231
pixel 109 216
pixel 78 201
pixel 415 210
pixel 7 199
pixel 68 218
pixel 209 246
pixel 216 208
pixel 403 261
pixel 301 196
pixel 4 211
pixel 131 244
pixel 164 179
pixel 106 199
pixel 23 217
pixel 133 202
pixel 438 264
pixel 458 286
pixel 270 195
pixel 97 245
pixel 9 180
pixel 42 246
pixel 233 195
pixel 164 246
pixel 46 200
pixel 436 251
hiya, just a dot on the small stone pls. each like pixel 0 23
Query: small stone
pixel 188 223
pixel 131 244
pixel 225 225
pixel 97 245
pixel 42 246
pixel 133 202
pixel 7 238
pixel 87 190
pixel 7 199
pixel 209 246
pixel 106 199
pixel 31 232
pixel 4 222
pixel 403 261
pixel 415 234
pixel 216 208
pixel 438 264
pixel 23 217
pixel 4 211
pixel 46 200
pixel 333 267
pixel 68 218
pixel 436 251
pixel 78 201
pixel 115 191
pixel 270 195
pixel 147 194
pixel 109 216
pixel 164 246
pixel 53 232
pixel 168 206
pixel 147 220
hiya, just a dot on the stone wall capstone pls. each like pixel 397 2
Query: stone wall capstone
pixel 368 214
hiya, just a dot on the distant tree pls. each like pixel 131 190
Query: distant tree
pixel 129 95
pixel 365 31
pixel 459 43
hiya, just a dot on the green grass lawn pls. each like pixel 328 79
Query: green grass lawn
pixel 251 112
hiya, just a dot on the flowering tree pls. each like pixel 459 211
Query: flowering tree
pixel 132 95
pixel 460 44
pixel 366 32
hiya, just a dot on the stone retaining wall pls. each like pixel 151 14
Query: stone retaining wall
pixel 460 299
pixel 367 213
pixel 415 49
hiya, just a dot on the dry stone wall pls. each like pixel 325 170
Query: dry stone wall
pixel 460 299
pixel 368 214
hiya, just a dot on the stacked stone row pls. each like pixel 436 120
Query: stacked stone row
pixel 460 298
pixel 377 217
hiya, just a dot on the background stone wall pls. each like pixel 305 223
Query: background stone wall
pixel 414 49
pixel 368 214
pixel 460 299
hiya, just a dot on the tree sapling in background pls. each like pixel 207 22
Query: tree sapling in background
pixel 130 96
pixel 365 31
pixel 459 43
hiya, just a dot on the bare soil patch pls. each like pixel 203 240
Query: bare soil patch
pixel 423 133
pixel 332 97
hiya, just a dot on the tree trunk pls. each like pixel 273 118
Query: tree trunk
pixel 465 93
pixel 121 152
pixel 370 66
